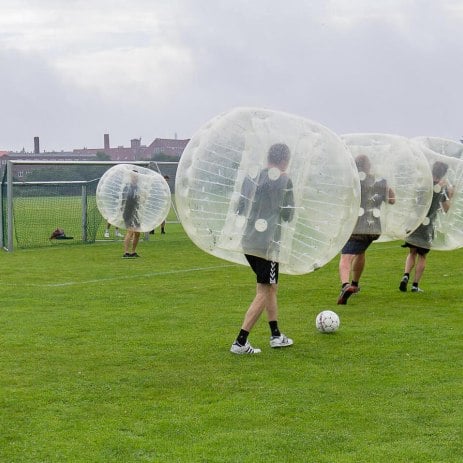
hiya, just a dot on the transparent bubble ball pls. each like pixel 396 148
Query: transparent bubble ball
pixel 395 167
pixel 133 197
pixel 231 200
pixel 442 227
pixel 441 146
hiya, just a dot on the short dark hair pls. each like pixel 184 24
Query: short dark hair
pixel 439 169
pixel 363 163
pixel 278 153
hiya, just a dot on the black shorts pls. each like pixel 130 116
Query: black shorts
pixel 358 244
pixel 266 270
pixel 130 215
pixel 420 251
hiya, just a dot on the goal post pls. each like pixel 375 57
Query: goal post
pixel 36 197
pixel 168 170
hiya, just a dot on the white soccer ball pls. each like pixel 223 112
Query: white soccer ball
pixel 327 321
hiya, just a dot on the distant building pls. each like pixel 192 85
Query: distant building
pixel 21 170
pixel 168 148
pixel 161 148
pixel 3 159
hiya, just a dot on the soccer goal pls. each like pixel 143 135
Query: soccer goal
pixel 38 197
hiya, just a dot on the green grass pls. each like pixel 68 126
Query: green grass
pixel 111 360
pixel 36 217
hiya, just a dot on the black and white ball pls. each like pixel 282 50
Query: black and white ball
pixel 327 321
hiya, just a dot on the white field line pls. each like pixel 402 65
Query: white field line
pixel 148 275
pixel 124 277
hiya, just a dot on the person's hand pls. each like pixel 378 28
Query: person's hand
pixel 450 191
pixel 377 199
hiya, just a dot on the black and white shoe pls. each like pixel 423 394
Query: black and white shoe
pixel 403 284
pixel 280 341
pixel 246 349
pixel 346 293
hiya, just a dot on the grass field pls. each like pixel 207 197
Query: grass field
pixel 106 359
pixel 36 217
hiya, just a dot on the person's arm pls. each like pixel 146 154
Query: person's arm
pixel 446 197
pixel 287 211
pixel 245 194
pixel 390 196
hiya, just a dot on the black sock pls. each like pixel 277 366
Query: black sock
pixel 407 275
pixel 415 284
pixel 242 337
pixel 355 283
pixel 274 328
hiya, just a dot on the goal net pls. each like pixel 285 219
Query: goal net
pixel 40 197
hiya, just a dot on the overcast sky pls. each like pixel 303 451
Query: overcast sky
pixel 73 70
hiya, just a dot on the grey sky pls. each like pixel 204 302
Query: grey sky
pixel 76 69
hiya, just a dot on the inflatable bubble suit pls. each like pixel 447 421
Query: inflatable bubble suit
pixel 442 227
pixel 130 196
pixel 269 184
pixel 396 184
pixel 441 146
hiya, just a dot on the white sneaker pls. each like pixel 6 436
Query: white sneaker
pixel 106 234
pixel 416 289
pixel 118 234
pixel 246 349
pixel 280 341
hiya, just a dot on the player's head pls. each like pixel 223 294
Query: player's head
pixel 133 176
pixel 363 163
pixel 278 155
pixel 439 169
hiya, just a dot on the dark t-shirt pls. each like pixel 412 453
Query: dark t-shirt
pixel 424 234
pixel 267 202
pixel 130 205
pixel 372 194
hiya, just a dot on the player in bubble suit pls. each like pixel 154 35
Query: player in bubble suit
pixel 424 234
pixel 266 201
pixel 373 193
pixel 130 216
